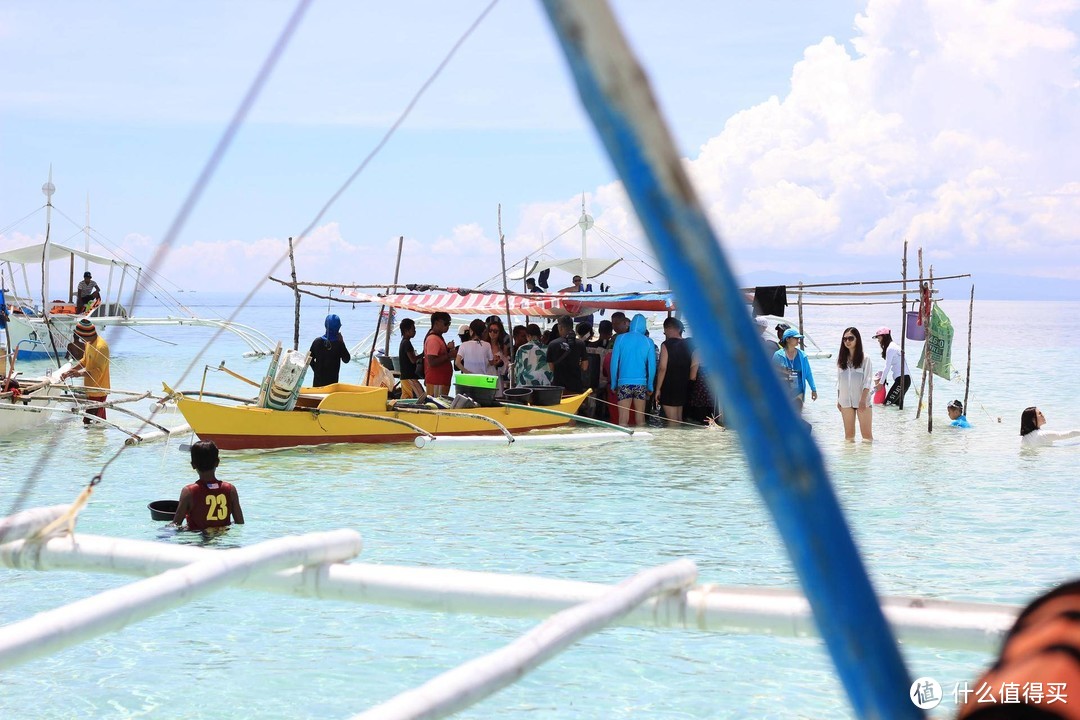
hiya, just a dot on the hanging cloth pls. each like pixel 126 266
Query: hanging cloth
pixel 770 300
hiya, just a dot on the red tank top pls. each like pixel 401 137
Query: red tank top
pixel 209 505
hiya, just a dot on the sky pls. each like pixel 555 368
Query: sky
pixel 819 136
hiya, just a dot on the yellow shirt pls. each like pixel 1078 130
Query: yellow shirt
pixel 96 363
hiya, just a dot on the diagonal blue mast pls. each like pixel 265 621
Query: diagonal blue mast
pixel 787 466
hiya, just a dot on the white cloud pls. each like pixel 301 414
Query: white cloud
pixel 950 125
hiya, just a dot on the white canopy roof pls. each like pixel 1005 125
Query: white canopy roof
pixel 594 267
pixel 31 255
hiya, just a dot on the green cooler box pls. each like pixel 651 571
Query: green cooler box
pixel 480 388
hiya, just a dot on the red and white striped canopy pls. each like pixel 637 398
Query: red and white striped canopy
pixel 536 305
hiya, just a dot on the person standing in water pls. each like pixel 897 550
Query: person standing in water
pixel 328 352
pixel 207 502
pixel 855 376
pixel 795 365
pixel 92 363
pixel 895 367
pixel 1032 434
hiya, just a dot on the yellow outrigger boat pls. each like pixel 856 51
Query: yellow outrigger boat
pixel 344 413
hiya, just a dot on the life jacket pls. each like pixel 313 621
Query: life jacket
pixel 1039 666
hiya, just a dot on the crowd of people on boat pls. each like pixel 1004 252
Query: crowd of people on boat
pixel 630 376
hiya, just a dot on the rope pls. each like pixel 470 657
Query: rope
pixel 189 203
pixel 208 171
pixel 70 515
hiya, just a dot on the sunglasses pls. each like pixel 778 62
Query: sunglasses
pixel 849 338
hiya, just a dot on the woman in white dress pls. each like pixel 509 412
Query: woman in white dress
pixel 1032 434
pixel 854 380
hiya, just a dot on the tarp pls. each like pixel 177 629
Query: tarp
pixel 939 344
pixel 533 305
pixel 594 267
pixel 31 254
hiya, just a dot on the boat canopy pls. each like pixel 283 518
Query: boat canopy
pixel 594 267
pixel 533 305
pixel 32 254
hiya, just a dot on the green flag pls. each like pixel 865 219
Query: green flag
pixel 939 343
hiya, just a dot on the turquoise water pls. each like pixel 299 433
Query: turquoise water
pixel 960 515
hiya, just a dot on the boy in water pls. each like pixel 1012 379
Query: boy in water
pixel 208 502
pixel 956 414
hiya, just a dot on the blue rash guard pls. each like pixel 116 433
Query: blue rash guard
pixel 799 370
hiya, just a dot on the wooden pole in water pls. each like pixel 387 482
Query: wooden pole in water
pixel 926 348
pixel 967 378
pixel 903 329
pixel 508 361
pixel 929 370
pixel 802 341
pixel 390 316
pixel 296 295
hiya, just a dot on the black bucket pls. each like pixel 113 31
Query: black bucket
pixel 518 395
pixel 546 394
pixel 163 509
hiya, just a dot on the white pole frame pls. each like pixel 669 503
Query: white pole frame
pixel 471 682
pixel 112 610
pixel 711 608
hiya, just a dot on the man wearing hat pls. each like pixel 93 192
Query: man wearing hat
pixel 93 366
pixel 87 292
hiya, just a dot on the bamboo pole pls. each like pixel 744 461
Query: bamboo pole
pixel 390 317
pixel 850 304
pixel 374 342
pixel 458 414
pixel 577 418
pixel 477 679
pixel 506 301
pixel 529 440
pixel 930 370
pixel 849 293
pixel 144 438
pixel 50 631
pixel 28 522
pixel 433 286
pixel 903 330
pixel 793 483
pixel 802 341
pixel 967 378
pixel 296 296
pixel 926 346
pixel 924 622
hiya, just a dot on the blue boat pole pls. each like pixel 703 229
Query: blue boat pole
pixel 786 464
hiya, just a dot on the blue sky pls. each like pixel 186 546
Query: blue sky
pixel 819 135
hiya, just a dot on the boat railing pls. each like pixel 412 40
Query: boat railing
pixel 315 566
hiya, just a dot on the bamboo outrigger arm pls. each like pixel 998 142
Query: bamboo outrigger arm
pixel 315 412
pixel 576 418
pixel 475 416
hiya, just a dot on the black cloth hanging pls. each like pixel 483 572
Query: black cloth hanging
pixel 770 300
pixel 542 279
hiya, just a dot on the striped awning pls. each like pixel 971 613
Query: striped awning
pixel 534 305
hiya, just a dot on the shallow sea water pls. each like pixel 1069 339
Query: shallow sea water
pixel 960 515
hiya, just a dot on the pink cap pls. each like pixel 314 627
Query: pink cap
pixel 883 331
